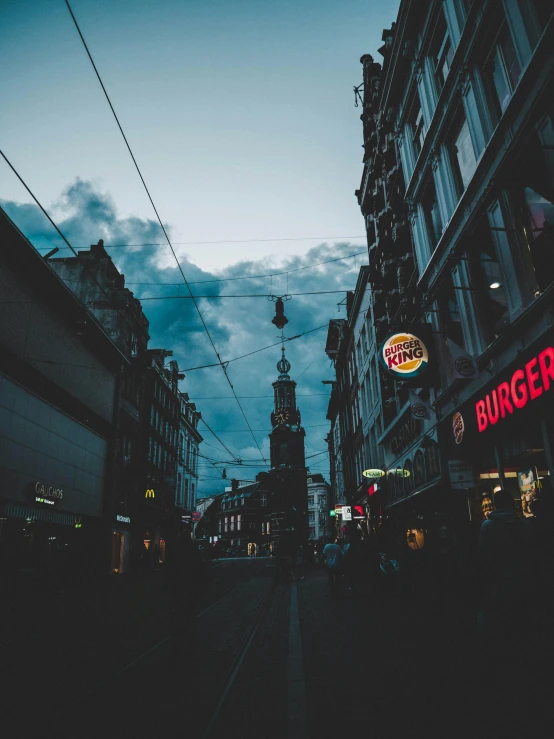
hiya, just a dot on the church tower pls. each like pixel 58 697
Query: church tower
pixel 287 435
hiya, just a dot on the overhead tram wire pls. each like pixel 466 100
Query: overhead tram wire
pixel 230 241
pixel 252 295
pixel 222 364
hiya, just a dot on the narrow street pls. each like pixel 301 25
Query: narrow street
pixel 278 660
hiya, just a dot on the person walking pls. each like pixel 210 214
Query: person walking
pixel 332 554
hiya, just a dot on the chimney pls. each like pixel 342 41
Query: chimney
pixel 234 485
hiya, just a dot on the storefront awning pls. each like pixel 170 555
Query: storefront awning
pixel 20 510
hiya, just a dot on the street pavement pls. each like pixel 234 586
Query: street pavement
pixel 273 660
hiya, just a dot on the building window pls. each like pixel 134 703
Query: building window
pixel 417 129
pixel 535 14
pixel 311 516
pixel 533 176
pixel 263 499
pixel 501 71
pixel 462 155
pixel 449 313
pixel 310 499
pixel 488 282
pixel 431 211
pixel 442 53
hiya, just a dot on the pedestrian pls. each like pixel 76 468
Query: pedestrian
pixel 332 553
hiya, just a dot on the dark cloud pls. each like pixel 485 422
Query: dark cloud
pixel 237 325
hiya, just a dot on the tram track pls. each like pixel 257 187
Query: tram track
pixel 130 667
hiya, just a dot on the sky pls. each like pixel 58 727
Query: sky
pixel 241 117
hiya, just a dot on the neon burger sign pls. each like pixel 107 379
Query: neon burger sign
pixel 404 355
pixel 525 384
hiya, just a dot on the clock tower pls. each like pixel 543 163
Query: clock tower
pixel 287 435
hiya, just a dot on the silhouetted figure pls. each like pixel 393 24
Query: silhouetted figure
pixel 332 554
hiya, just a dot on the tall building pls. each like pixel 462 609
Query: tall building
pixel 285 483
pixel 187 457
pixel 319 502
pixel 59 378
pixel 155 422
pixel 457 195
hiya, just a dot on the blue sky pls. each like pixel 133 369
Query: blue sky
pixel 241 116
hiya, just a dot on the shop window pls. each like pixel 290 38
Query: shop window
pixel 432 460
pixel 535 14
pixel 449 313
pixel 462 155
pixel 408 480
pixel 501 71
pixel 433 220
pixel 442 52
pixel 488 282
pixel 419 469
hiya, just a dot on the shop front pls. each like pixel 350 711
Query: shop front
pixel 121 544
pixel 501 437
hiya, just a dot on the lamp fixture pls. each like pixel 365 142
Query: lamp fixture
pixel 494 285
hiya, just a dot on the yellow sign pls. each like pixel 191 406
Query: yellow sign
pixel 373 474
pixel 150 494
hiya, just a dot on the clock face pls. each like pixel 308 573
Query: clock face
pixel 281 415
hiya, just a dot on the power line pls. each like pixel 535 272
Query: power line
pixel 223 366
pixel 255 277
pixel 253 295
pixel 256 351
pixel 225 241
pixel 230 397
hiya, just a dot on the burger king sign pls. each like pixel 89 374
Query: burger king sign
pixel 404 356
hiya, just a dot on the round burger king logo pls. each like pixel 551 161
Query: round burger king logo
pixel 404 355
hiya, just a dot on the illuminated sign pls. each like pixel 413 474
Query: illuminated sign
pixel 404 356
pixel 46 501
pixel 458 427
pixel 78 525
pixel 525 384
pixel 373 474
pixel 358 511
pixel 399 472
pixel 123 519
pixel 48 491
pixel 332 513
pixel 150 493
pixel 346 513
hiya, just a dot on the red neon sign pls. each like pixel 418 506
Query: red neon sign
pixel 525 384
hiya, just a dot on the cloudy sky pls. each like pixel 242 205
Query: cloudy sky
pixel 241 117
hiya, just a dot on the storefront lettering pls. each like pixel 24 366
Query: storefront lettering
pixel 48 491
pixel 407 433
pixel 123 519
pixel 525 384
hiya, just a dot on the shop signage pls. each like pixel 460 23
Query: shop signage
pixel 150 493
pixel 332 513
pixel 45 501
pixel 373 474
pixel 123 519
pixel 358 512
pixel 196 516
pixel 404 356
pixel 48 491
pixel 407 433
pixel 526 383
pixel 346 513
pixel 460 474
pixel 458 427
